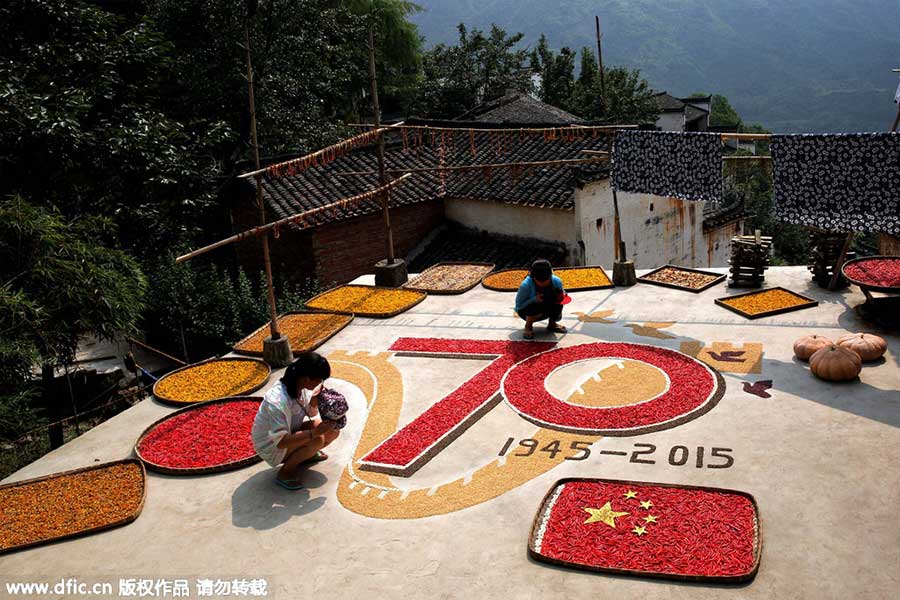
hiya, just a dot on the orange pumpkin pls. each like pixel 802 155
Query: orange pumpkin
pixel 808 344
pixel 834 363
pixel 868 346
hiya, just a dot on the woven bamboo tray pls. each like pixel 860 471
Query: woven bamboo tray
pixel 449 292
pixel 810 303
pixel 230 466
pixel 863 284
pixel 315 343
pixel 556 272
pixel 750 574
pixel 719 278
pixel 90 530
pixel 422 296
pixel 246 392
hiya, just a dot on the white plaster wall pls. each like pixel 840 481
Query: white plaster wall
pixel 657 230
pixel 673 121
pixel 547 224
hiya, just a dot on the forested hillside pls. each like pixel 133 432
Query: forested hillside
pixel 806 65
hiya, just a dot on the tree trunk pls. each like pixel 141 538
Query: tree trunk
pixel 51 406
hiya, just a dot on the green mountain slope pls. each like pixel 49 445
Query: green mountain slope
pixel 795 65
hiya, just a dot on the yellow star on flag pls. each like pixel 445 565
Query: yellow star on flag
pixel 630 494
pixel 604 514
pixel 646 504
pixel 639 531
pixel 650 518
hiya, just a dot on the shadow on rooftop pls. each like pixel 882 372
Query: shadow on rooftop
pixel 260 504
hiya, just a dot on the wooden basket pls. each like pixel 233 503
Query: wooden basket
pixel 719 278
pixel 422 296
pixel 173 402
pixel 90 530
pixel 312 346
pixel 230 466
pixel 810 303
pixel 450 292
pixel 757 542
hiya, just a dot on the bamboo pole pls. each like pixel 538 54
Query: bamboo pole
pixel 382 175
pixel 531 130
pixel 746 158
pixel 141 344
pixel 264 229
pixel 260 203
pixel 745 136
pixel 474 167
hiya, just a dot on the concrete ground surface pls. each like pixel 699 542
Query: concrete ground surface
pixel 821 460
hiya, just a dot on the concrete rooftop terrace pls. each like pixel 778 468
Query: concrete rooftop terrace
pixel 820 459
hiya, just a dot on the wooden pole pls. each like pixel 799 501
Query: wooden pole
pixel 840 262
pixel 254 140
pixel 617 230
pixel 896 121
pixel 261 230
pixel 51 406
pixel 600 63
pixel 382 175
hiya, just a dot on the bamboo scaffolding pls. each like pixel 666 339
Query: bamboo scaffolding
pixel 264 229
pixel 474 167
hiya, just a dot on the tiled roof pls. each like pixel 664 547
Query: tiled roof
pixel 455 243
pixel 517 108
pixel 668 103
pixel 544 187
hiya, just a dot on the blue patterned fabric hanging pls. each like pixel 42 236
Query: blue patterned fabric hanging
pixel 843 181
pixel 668 163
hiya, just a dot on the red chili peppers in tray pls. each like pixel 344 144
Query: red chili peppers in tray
pixel 204 437
pixel 879 272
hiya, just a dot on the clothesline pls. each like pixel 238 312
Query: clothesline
pixel 474 167
pixel 303 216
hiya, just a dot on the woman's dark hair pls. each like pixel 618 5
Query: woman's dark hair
pixel 308 364
pixel 541 270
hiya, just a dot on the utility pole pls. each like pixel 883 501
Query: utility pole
pixel 600 64
pixel 276 350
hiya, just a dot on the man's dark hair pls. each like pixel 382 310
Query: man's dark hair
pixel 541 270
pixel 308 364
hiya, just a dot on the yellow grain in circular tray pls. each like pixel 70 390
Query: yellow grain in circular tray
pixel 573 279
pixel 210 380
pixel 306 331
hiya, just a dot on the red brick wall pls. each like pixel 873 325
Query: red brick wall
pixel 343 251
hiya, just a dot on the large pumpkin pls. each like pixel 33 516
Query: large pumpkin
pixel 834 363
pixel 868 346
pixel 808 344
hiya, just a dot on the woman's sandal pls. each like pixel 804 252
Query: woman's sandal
pixel 528 334
pixel 317 457
pixel 292 485
pixel 557 328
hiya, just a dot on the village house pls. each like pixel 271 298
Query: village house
pixel 504 216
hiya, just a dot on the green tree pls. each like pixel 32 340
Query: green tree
pixel 557 71
pixel 479 68
pixel 88 128
pixel 59 280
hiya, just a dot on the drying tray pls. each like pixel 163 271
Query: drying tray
pixel 810 303
pixel 757 542
pixel 315 343
pixel 229 466
pixel 719 278
pixel 869 286
pixel 247 392
pixel 91 530
pixel 450 292
pixel 556 272
pixel 422 296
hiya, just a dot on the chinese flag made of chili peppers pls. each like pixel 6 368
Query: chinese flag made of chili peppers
pixel 648 529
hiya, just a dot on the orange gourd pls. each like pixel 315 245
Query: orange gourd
pixel 833 363
pixel 869 347
pixel 806 346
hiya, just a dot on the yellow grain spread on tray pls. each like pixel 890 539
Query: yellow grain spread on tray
pixel 766 301
pixel 305 331
pixel 573 279
pixel 215 379
pixel 363 299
